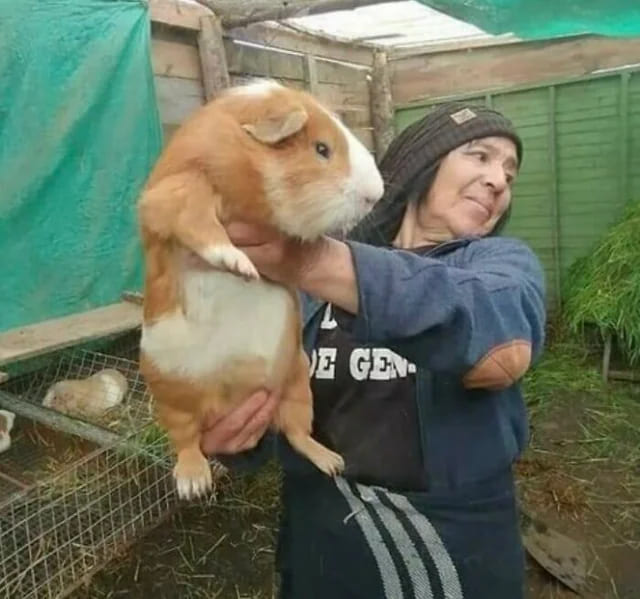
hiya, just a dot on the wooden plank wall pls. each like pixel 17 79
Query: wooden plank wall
pixel 176 64
pixel 434 73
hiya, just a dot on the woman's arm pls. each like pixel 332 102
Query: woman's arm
pixel 331 276
pixel 483 320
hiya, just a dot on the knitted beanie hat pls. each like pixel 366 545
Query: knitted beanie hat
pixel 412 159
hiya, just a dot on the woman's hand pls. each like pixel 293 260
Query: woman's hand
pixel 323 268
pixel 276 256
pixel 240 429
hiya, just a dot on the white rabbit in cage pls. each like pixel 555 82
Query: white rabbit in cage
pixel 6 425
pixel 91 396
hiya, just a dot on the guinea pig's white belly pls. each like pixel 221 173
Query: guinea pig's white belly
pixel 227 319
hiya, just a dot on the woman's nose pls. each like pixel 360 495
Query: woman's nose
pixel 496 177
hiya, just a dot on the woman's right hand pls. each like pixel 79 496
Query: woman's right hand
pixel 240 429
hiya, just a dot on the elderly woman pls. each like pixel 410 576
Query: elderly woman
pixel 419 327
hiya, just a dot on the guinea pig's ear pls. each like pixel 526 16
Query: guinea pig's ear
pixel 271 129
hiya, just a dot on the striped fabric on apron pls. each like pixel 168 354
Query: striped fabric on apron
pixel 344 540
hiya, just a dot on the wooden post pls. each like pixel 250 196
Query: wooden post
pixel 215 73
pixel 381 103
pixel 311 73
pixel 624 137
pixel 556 232
pixel 606 357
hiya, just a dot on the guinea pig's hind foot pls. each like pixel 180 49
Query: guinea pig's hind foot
pixel 192 474
pixel 326 460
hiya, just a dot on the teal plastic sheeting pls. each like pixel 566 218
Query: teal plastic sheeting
pixel 540 19
pixel 79 132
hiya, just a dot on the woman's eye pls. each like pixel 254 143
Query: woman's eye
pixel 482 156
pixel 323 149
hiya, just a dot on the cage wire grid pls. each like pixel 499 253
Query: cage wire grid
pixel 32 457
pixel 55 534
pixel 63 527
pixel 131 413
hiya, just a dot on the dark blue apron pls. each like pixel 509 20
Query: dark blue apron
pixel 343 540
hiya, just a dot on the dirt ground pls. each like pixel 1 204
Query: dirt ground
pixel 220 549
pixel 580 475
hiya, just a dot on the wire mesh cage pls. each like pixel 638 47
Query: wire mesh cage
pixel 57 533
pixel 35 453
pixel 67 504
pixel 98 388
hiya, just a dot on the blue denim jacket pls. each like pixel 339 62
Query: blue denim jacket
pixel 444 310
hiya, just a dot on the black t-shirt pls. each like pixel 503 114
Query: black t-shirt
pixel 365 407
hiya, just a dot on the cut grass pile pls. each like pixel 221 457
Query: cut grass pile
pixel 602 290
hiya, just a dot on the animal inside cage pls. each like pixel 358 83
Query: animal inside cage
pixel 96 387
pixel 69 504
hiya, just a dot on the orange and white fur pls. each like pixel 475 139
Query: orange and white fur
pixel 92 396
pixel 211 336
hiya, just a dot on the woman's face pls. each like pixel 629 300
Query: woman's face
pixel 472 188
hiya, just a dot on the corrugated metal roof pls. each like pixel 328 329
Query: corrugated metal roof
pixel 395 24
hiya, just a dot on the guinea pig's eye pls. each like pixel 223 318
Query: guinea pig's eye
pixel 323 149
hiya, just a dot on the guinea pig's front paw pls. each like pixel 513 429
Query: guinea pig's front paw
pixel 231 258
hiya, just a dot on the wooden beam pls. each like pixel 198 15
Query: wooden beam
pixel 423 49
pixel 382 112
pixel 175 59
pixel 287 36
pixel 215 72
pixel 238 13
pixel 420 79
pixel 51 335
pixel 625 375
pixel 177 14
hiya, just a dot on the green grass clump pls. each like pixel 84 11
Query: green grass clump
pixel 565 368
pixel 603 288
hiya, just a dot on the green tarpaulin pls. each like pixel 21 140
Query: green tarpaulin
pixel 79 131
pixel 539 19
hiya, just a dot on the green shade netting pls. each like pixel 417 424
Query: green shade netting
pixel 539 19
pixel 79 132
